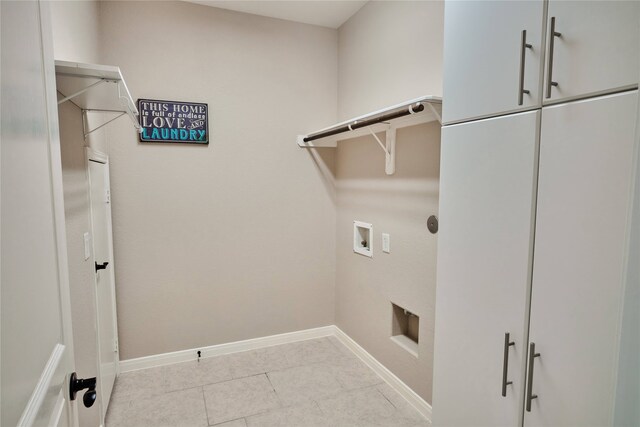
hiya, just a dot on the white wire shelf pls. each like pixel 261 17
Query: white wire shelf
pixel 410 113
pixel 94 87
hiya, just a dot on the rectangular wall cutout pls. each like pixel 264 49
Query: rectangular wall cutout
pixel 362 238
pixel 405 329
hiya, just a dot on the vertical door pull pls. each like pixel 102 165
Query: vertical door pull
pixel 552 38
pixel 523 46
pixel 530 395
pixel 505 363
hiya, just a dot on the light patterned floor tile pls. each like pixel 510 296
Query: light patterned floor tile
pixel 341 347
pixel 117 412
pixel 277 357
pixel 357 405
pixel 399 402
pixel 245 364
pixel 313 383
pixel 239 398
pixel 297 385
pixel 184 408
pixel 307 415
pixel 319 350
pixel 210 370
pixel 241 422
pixel 353 374
pixel 138 384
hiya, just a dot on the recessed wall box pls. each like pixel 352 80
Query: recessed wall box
pixel 362 238
pixel 405 329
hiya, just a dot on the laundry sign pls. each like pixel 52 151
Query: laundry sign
pixel 173 121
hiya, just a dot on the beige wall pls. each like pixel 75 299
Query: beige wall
pixel 76 30
pixel 234 240
pixel 389 52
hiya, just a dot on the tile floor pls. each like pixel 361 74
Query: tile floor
pixel 313 383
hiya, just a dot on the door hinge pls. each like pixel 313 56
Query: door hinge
pixel 107 196
pixel 115 346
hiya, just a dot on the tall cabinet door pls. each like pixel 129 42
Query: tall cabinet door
pixel 487 190
pixel 486 60
pixel 596 48
pixel 585 174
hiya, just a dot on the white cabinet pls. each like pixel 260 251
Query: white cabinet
pixel 485 57
pixel 597 50
pixel 534 210
pixel 585 177
pixel 491 67
pixel 488 175
pixel 487 258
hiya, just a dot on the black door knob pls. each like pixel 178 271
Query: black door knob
pixel 89 398
pixel 76 384
pixel 101 266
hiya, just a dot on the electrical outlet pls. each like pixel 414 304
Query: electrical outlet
pixel 386 243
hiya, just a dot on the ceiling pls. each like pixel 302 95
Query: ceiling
pixel 331 13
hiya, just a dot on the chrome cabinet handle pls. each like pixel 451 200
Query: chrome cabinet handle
pixel 530 395
pixel 505 363
pixel 523 46
pixel 552 38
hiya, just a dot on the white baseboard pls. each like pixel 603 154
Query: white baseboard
pixel 220 349
pixel 396 383
pixel 234 347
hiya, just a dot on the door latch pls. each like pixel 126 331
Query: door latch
pixel 101 266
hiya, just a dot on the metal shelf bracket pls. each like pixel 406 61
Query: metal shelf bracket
pixel 80 92
pixel 84 86
pixel 84 120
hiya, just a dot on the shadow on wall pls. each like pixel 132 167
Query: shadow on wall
pixel 324 160
pixel 362 158
pixel 360 170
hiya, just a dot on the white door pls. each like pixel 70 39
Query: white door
pixel 586 156
pixel 98 170
pixel 487 198
pixel 486 60
pixel 37 343
pixel 597 51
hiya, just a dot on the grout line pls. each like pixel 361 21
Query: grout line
pixel 224 381
pixel 388 400
pixel 266 374
pixel 204 399
pixel 274 391
pixel 230 421
pixel 322 413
